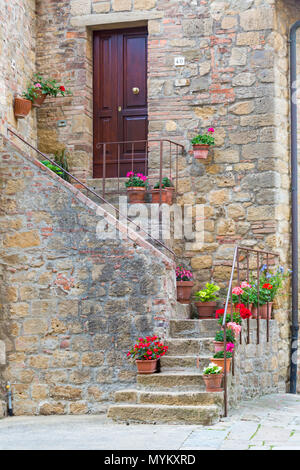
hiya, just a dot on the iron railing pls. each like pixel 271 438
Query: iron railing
pixel 241 263
pixel 89 190
pixel 133 156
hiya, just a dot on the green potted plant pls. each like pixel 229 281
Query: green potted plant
pixel 184 284
pixel 206 300
pixel 40 88
pixel 136 187
pixel 146 353
pixel 202 142
pixel 218 357
pixel 219 339
pixel 167 190
pixel 212 376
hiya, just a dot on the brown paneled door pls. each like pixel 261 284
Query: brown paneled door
pixel 120 101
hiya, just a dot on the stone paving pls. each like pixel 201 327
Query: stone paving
pixel 268 423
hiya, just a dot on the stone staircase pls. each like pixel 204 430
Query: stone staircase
pixel 177 394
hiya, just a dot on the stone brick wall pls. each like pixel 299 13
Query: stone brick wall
pixel 257 366
pixel 71 303
pixel 235 78
pixel 17 51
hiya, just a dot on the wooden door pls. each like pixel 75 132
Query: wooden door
pixel 120 101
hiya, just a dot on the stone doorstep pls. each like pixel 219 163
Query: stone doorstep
pixel 192 328
pixel 185 362
pixel 151 414
pixel 169 398
pixel 189 347
pixel 176 380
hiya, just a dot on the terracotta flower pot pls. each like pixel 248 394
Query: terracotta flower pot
pixel 170 193
pixel 146 367
pixel 136 194
pixel 37 102
pixel 22 107
pixel 155 196
pixel 213 382
pixel 200 151
pixel 206 309
pixel 219 346
pixel 220 363
pixel 264 311
pixel 184 291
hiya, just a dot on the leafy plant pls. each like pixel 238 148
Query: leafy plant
pixel 46 86
pixel 62 160
pixel 136 180
pixel 183 274
pixel 230 337
pixel 208 294
pixel 165 183
pixel 54 168
pixel 220 355
pixel 236 317
pixel 204 139
pixel 212 369
pixel 147 349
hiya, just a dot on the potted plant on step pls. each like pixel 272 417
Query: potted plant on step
pixel 219 357
pixel 219 339
pixel 202 142
pixel 206 300
pixel 136 187
pixel 22 107
pixel 167 190
pixel 146 353
pixel 40 88
pixel 212 376
pixel 184 284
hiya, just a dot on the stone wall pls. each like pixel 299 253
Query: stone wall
pixel 72 303
pixel 17 51
pixel 257 367
pixel 235 78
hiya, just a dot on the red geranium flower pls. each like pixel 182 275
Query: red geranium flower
pixel 267 286
pixel 62 88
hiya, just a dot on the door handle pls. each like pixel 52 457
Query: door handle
pixel 119 108
pixel 135 90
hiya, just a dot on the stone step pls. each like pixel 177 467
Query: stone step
pixel 170 398
pixel 193 328
pixel 182 312
pixel 168 414
pixel 175 380
pixel 190 347
pixel 184 362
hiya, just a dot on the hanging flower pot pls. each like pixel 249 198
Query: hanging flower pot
pixel 200 151
pixel 146 367
pixel 39 99
pixel 184 291
pixel 22 107
pixel 136 195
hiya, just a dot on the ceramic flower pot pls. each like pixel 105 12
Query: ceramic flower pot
pixel 170 195
pixel 200 151
pixel 213 382
pixel 184 291
pixel 22 107
pixel 146 367
pixel 206 309
pixel 220 363
pixel 219 346
pixel 39 100
pixel 136 194
pixel 156 197
pixel 264 311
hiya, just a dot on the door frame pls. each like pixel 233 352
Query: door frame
pixel 129 30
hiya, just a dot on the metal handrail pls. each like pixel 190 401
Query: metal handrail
pixel 91 191
pixel 236 263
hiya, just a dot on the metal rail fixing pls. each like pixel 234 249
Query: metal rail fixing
pixel 104 201
pixel 238 265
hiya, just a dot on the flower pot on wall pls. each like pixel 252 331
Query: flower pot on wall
pixel 213 382
pixel 184 291
pixel 219 345
pixel 156 196
pixel 136 194
pixel 39 100
pixel 264 311
pixel 22 107
pixel 220 363
pixel 146 367
pixel 200 151
pixel 170 193
pixel 206 309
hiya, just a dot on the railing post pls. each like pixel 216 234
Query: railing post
pixel 268 323
pixel 104 171
pixel 248 319
pixel 258 307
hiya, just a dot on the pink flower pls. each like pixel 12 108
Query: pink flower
pixel 129 174
pixel 211 129
pixel 38 85
pixel 229 347
pixel 235 328
pixel 245 285
pixel 237 291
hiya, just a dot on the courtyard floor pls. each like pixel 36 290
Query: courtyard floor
pixel 268 423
